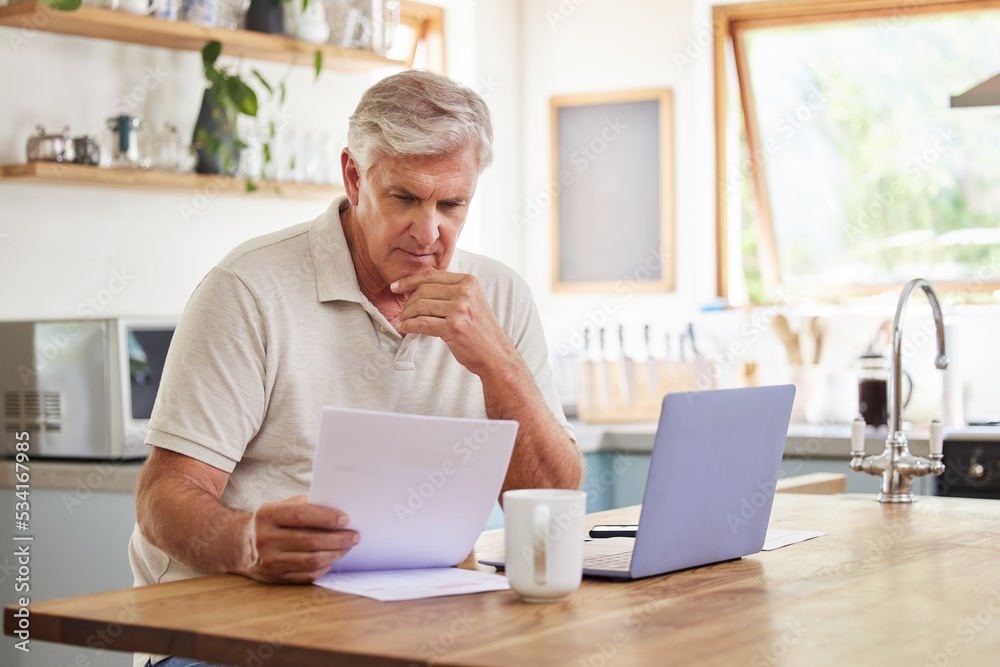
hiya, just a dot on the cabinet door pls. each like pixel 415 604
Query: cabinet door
pixel 80 546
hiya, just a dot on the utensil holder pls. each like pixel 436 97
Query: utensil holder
pixel 607 395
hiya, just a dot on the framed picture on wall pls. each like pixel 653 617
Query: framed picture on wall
pixel 613 209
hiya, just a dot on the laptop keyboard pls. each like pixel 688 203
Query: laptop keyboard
pixel 615 561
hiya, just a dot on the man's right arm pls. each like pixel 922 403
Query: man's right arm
pixel 179 510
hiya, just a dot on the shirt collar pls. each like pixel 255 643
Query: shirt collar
pixel 336 279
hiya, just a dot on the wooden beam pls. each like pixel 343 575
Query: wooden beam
pixel 767 248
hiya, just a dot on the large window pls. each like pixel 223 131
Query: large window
pixel 419 38
pixel 854 173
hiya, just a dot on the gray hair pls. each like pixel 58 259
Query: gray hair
pixel 418 113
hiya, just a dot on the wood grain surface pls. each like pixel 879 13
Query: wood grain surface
pixel 889 585
pixel 54 173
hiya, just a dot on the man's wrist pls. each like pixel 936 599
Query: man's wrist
pixel 246 546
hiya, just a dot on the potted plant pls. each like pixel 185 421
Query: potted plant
pixel 215 139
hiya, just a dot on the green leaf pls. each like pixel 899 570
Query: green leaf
pixel 281 100
pixel 216 80
pixel 251 187
pixel 244 99
pixel 249 106
pixel 319 62
pixel 63 5
pixel 236 90
pixel 210 53
pixel 263 81
pixel 305 3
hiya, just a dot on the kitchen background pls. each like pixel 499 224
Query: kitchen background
pixel 77 252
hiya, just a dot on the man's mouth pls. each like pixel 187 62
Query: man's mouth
pixel 417 255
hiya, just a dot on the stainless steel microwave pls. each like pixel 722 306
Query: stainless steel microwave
pixel 81 389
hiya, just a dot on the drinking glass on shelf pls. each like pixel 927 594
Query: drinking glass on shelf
pixel 202 12
pixel 350 23
pixel 308 161
pixel 168 10
pixel 252 156
pixel 284 153
pixel 170 152
pixel 230 13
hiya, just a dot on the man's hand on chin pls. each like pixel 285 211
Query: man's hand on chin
pixel 453 307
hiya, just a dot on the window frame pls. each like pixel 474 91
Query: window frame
pixel 729 23
pixel 427 23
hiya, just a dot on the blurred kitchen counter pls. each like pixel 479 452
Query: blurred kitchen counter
pixel 77 476
pixel 829 441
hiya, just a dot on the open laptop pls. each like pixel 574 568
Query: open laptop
pixel 712 476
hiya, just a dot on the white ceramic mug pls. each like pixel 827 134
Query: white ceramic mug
pixel 544 531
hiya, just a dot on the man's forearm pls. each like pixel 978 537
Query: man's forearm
pixel 544 456
pixel 185 521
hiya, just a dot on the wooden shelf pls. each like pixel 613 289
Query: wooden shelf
pixel 54 173
pixel 150 31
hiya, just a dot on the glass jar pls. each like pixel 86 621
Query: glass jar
pixel 873 387
pixel 126 145
pixel 873 383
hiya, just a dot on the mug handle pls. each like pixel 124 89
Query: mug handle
pixel 542 517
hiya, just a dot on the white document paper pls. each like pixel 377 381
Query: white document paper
pixel 418 489
pixel 393 585
pixel 782 538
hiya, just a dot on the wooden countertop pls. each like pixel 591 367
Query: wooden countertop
pixel 889 585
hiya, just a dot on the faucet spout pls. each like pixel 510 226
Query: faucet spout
pixel 896 465
pixel 941 362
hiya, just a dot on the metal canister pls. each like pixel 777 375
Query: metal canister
pixel 50 147
pixel 86 150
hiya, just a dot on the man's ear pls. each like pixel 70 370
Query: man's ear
pixel 352 176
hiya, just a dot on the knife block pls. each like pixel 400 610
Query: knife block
pixel 630 391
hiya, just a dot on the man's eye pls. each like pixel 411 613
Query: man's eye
pixel 403 197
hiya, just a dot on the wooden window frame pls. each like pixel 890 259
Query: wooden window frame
pixel 427 23
pixel 729 22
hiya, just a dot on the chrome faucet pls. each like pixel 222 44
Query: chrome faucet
pixel 896 464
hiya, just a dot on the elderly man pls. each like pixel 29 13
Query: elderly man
pixel 369 306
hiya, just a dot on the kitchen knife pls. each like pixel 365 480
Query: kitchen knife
pixel 652 367
pixel 626 370
pixel 603 390
pixel 587 379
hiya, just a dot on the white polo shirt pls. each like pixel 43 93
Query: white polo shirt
pixel 280 329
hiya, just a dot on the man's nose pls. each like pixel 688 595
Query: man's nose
pixel 426 228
